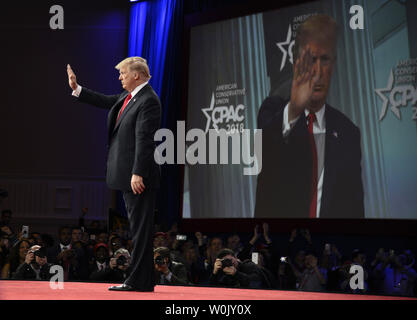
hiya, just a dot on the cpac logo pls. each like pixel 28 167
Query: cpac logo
pixel 396 97
pixel 286 48
pixel 223 114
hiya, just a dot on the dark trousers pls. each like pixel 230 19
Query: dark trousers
pixel 140 210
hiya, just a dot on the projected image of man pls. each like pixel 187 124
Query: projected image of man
pixel 312 157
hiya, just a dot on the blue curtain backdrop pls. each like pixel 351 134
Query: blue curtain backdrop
pixel 155 33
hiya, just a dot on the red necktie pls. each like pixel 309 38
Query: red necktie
pixel 313 204
pixel 124 106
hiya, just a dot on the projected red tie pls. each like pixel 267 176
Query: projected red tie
pixel 124 106
pixel 313 202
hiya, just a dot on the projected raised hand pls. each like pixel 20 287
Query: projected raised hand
pixel 305 76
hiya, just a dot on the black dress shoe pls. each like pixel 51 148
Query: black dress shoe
pixel 123 287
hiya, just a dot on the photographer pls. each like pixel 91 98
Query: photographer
pixel 119 266
pixel 72 259
pixel 313 278
pixel 116 271
pixel 99 264
pixel 168 271
pixel 230 272
pixel 35 267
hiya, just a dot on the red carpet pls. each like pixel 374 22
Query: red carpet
pixel 34 290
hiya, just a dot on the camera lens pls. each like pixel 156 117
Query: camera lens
pixel 159 260
pixel 227 263
pixel 121 260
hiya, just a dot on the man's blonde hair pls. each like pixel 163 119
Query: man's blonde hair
pixel 320 27
pixel 135 64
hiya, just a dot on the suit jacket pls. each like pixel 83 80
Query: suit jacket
pixel 76 272
pixel 248 275
pixel 131 143
pixel 283 188
pixel 109 275
pixel 25 272
pixel 179 275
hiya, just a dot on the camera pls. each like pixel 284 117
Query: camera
pixel 121 260
pixel 159 260
pixel 227 263
pixel 41 253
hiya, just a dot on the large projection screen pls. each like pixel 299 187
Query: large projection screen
pixel 240 62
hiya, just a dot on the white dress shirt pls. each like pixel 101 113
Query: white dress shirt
pixel 67 247
pixel 101 266
pixel 319 132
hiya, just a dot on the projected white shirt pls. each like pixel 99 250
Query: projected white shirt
pixel 319 131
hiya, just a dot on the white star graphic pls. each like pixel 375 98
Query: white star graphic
pixel 287 50
pixel 385 99
pixel 207 113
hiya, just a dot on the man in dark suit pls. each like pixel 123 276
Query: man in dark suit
pixel 312 153
pixel 168 271
pixel 133 119
pixel 73 260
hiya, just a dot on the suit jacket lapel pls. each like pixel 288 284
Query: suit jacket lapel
pixel 129 106
pixel 111 119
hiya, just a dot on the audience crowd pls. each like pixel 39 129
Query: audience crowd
pixel 95 254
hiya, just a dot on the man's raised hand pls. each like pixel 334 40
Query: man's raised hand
pixel 302 84
pixel 72 79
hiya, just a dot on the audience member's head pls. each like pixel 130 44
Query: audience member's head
pixel 116 243
pixel 160 240
pixel 23 246
pixel 101 252
pixel 17 255
pixel 38 255
pixel 191 255
pixel 6 217
pixel 36 238
pixel 216 244
pixel 102 237
pixel 233 242
pixel 228 257
pixel 161 255
pixel 358 257
pixel 64 235
pixel 76 234
pixel 123 258
pixel 310 261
